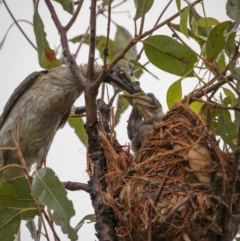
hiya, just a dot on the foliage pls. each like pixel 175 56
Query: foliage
pixel 218 105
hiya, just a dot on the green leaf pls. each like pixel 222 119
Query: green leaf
pixel 143 6
pixel 193 18
pixel 196 106
pixel 78 125
pixel 216 41
pixel 190 33
pixel 207 22
pixel 178 3
pixel 122 38
pixel 90 218
pixel 46 56
pixel 122 105
pixel 1 177
pixel 229 93
pixel 230 47
pixel 135 62
pixel 169 55
pixel 106 2
pixel 228 131
pixel 221 62
pixel 51 193
pixel 17 195
pixel 67 5
pixel 233 9
pixel 237 114
pixel 184 20
pixel 174 93
pixel 10 219
pixel 100 44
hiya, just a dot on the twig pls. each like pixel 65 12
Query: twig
pixel 66 52
pixel 74 17
pixel 131 44
pixel 85 36
pixel 76 186
pixel 78 110
pixel 51 225
pixel 19 27
pixel 215 105
pixel 105 51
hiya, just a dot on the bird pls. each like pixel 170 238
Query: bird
pixel 146 113
pixel 43 102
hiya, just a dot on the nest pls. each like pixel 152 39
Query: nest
pixel 175 187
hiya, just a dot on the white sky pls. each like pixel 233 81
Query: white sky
pixel 18 59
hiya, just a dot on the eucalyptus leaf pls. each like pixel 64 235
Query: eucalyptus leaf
pixel 169 55
pixel 228 131
pixel 10 219
pixel 174 93
pixel 142 7
pixel 233 9
pixel 196 106
pixel 184 20
pixel 216 41
pixel 78 125
pixel 17 195
pixel 48 189
pixel 46 56
pixel 122 38
pixel 67 5
pixel 230 47
pixel 207 22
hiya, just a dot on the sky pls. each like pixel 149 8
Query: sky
pixel 67 155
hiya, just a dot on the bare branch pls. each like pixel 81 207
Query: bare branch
pixel 19 27
pixel 76 186
pixel 66 52
pixel 74 17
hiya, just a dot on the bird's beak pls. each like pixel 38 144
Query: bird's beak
pixel 121 80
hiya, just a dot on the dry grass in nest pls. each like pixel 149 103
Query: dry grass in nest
pixel 174 189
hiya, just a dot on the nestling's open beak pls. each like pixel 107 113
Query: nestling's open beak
pixel 121 80
pixel 147 104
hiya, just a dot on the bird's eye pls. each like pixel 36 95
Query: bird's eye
pixel 122 74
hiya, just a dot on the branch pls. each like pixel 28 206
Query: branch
pixel 66 52
pixel 76 186
pixel 105 51
pixel 74 17
pixel 131 44
pixel 19 27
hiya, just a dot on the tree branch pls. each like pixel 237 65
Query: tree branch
pixel 66 52
pixel 76 186
pixel 74 17
pixel 19 27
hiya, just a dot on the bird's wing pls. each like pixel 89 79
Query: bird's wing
pixel 26 83
pixel 64 120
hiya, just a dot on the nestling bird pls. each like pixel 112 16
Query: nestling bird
pixel 146 113
pixel 43 102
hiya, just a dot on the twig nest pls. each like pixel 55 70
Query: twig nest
pixel 175 187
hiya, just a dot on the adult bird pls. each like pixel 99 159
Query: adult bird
pixel 43 102
pixel 146 113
